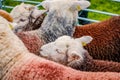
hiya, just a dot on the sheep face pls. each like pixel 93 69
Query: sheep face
pixel 65 8
pixel 23 14
pixel 65 50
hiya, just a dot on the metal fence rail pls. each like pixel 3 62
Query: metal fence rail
pixel 2 5
pixel 117 0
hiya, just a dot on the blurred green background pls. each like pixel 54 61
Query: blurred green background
pixel 103 5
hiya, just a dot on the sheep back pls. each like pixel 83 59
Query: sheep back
pixel 31 40
pixel 106 39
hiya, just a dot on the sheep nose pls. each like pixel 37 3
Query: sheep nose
pixel 73 57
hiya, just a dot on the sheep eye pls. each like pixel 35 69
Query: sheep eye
pixel 22 20
pixel 67 46
pixel 26 7
pixel 58 50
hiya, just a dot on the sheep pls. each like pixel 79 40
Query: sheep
pixel 106 43
pixel 70 52
pixel 56 23
pixel 27 17
pixel 64 48
pixel 17 63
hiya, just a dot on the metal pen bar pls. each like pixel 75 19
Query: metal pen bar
pixel 101 12
pixel 10 7
pixel 116 0
pixel 34 2
pixel 86 19
pixel 0 4
pixel 38 4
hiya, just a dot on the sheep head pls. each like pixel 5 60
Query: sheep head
pixel 65 4
pixel 21 11
pixel 66 8
pixel 24 14
pixel 66 50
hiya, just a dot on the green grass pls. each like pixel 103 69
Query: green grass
pixel 103 5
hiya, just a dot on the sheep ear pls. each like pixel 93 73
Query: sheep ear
pixel 12 25
pixel 85 40
pixel 79 5
pixel 37 13
pixel 45 4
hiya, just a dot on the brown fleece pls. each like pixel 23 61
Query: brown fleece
pixel 31 40
pixel 106 39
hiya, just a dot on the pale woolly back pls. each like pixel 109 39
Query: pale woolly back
pixel 8 40
pixel 11 48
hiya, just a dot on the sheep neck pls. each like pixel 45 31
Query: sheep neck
pixel 55 26
pixel 11 50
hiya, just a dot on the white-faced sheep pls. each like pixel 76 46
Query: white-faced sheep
pixel 60 20
pixel 64 48
pixel 70 52
pixel 106 42
pixel 16 63
pixel 28 17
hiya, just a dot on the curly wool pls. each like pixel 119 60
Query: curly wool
pixel 106 39
pixel 31 40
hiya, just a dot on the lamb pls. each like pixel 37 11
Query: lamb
pixel 28 17
pixel 55 24
pixel 106 43
pixel 16 63
pixel 70 52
